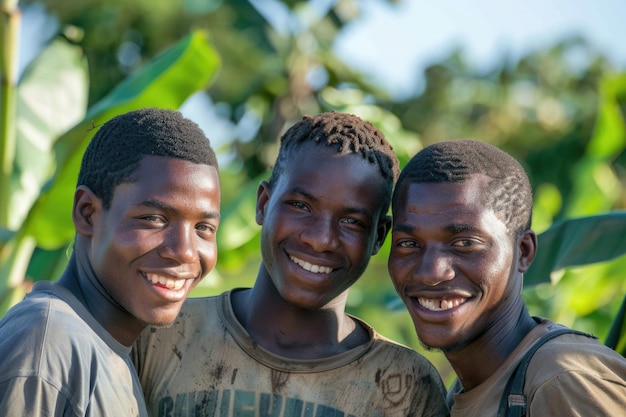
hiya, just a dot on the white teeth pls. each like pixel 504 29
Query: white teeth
pixel 172 284
pixel 316 269
pixel 440 304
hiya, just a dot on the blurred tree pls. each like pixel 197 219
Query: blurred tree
pixel 542 109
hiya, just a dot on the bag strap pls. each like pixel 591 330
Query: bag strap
pixel 513 401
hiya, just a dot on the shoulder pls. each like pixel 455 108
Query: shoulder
pixel 199 305
pixel 572 364
pixel 196 316
pixel 40 316
pixel 390 353
pixel 56 337
pixel 573 353
pixel 27 396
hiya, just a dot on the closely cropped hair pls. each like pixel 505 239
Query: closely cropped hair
pixel 116 150
pixel 345 132
pixel 509 192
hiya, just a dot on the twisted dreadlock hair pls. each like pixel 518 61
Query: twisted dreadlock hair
pixel 509 192
pixel 345 132
pixel 118 147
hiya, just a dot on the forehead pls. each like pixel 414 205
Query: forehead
pixel 163 176
pixel 466 192
pixel 320 160
pixel 321 168
pixel 463 202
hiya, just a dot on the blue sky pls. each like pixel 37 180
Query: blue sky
pixel 393 43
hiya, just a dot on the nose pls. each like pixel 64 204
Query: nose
pixel 180 243
pixel 321 234
pixel 434 268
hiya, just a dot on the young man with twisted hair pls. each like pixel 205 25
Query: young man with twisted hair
pixel 461 242
pixel 146 211
pixel 286 347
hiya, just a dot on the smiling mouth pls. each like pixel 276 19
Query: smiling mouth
pixel 169 283
pixel 439 304
pixel 316 269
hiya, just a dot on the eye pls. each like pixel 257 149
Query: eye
pixel 353 221
pixel 153 220
pixel 299 205
pixel 206 228
pixel 405 243
pixel 466 244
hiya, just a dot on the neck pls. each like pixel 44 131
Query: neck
pixel 481 358
pixel 81 280
pixel 290 331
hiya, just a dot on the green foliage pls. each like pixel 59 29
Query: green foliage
pixel 577 242
pixel 583 257
pixel 55 132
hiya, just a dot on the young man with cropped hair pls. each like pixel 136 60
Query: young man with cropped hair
pixel 461 242
pixel 146 211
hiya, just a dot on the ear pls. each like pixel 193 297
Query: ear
pixel 262 197
pixel 86 206
pixel 384 226
pixel 527 245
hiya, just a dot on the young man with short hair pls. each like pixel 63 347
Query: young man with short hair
pixel 461 242
pixel 146 211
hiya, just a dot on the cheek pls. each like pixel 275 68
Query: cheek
pixel 209 256
pixel 497 273
pixel 116 249
pixel 398 267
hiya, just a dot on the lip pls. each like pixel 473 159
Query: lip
pixel 168 287
pixel 314 267
pixel 438 306
pixel 311 270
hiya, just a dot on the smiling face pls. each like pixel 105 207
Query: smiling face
pixel 157 239
pixel 322 221
pixel 454 263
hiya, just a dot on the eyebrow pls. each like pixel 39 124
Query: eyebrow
pixel 302 192
pixel 460 228
pixel 453 228
pixel 307 195
pixel 166 207
pixel 405 228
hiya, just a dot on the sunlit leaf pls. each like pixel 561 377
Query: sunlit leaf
pixel 578 241
pixel 238 225
pixel 60 71
pixel 5 236
pixel 617 335
pixel 609 137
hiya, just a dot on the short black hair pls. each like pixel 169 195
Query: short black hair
pixel 347 133
pixel 117 148
pixel 509 192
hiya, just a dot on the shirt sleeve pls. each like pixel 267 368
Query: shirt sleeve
pixel 33 397
pixel 578 393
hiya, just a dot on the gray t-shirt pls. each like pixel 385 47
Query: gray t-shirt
pixel 57 360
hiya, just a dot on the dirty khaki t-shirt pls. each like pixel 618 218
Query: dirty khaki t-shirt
pixel 571 375
pixel 206 364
